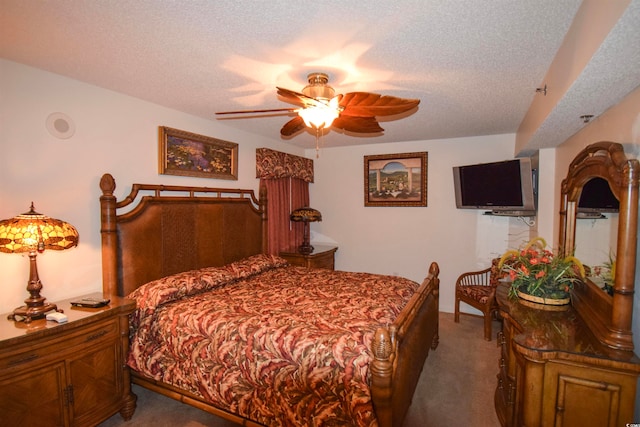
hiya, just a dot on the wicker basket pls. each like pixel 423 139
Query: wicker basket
pixel 545 301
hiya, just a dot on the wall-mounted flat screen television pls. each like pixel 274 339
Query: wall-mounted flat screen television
pixel 597 197
pixel 504 188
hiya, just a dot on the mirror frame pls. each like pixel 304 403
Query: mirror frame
pixel 608 317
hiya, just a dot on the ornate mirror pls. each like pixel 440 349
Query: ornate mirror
pixel 608 315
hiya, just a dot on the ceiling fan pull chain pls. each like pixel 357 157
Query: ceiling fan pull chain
pixel 317 143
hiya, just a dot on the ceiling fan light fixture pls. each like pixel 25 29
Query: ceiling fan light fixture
pixel 318 117
pixel 318 87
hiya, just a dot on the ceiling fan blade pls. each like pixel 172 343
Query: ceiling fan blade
pixel 365 104
pixel 272 110
pixel 293 126
pixel 357 124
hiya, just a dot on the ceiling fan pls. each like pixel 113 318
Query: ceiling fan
pixel 319 108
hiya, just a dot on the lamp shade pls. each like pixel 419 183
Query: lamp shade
pixel 319 117
pixel 321 114
pixel 32 231
pixel 306 214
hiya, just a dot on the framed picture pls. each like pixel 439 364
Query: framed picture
pixel 189 154
pixel 395 179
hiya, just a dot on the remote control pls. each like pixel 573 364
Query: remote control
pixel 57 317
pixel 91 302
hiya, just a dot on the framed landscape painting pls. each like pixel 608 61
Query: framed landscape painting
pixel 189 154
pixel 395 179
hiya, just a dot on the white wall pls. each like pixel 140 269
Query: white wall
pixel 404 240
pixel 119 134
pixel 548 200
pixel 114 133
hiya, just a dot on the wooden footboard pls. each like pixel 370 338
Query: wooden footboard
pixel 401 350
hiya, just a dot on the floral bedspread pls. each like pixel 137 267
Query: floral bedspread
pixel 280 345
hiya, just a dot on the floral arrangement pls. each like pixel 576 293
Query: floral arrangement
pixel 535 270
pixel 607 273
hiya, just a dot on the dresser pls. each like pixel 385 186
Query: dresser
pixel 554 372
pixel 575 366
pixel 66 374
pixel 322 256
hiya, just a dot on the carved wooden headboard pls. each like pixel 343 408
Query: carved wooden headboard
pixel 171 229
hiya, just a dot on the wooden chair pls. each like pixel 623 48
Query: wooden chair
pixel 478 289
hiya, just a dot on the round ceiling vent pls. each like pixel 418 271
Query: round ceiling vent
pixel 60 125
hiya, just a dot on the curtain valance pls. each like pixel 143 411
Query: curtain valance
pixel 271 164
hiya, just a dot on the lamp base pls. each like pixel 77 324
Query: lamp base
pixel 26 314
pixel 36 307
pixel 305 249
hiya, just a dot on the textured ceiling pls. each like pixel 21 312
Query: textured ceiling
pixel 612 72
pixel 474 65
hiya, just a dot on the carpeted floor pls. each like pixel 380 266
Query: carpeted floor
pixel 456 386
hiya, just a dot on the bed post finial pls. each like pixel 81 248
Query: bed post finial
pixel 107 184
pixel 109 235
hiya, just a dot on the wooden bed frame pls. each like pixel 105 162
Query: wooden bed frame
pixel 171 229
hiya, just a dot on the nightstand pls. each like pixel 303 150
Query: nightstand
pixel 66 374
pixel 323 256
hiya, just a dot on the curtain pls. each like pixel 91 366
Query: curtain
pixel 286 178
pixel 299 199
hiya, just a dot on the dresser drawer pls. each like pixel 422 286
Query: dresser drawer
pixel 321 257
pixel 323 262
pixel 57 346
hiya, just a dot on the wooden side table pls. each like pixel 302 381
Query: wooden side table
pixel 323 256
pixel 67 374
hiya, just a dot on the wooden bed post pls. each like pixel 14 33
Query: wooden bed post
pixel 109 235
pixel 381 375
pixel 262 205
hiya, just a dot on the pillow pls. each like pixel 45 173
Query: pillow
pixel 158 292
pixel 161 291
pixel 255 264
